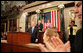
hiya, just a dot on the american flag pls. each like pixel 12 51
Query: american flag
pixel 53 16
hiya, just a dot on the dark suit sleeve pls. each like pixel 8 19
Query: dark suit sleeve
pixel 42 26
pixel 37 33
pixel 78 42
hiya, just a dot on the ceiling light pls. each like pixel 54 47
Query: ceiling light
pixel 48 4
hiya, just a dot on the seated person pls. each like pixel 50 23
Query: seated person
pixel 49 33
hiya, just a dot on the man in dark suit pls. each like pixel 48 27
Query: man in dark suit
pixel 34 33
pixel 77 46
pixel 39 25
pixel 78 39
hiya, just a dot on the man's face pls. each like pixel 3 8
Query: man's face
pixel 39 22
pixel 78 10
pixel 33 24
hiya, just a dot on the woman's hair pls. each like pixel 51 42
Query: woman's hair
pixel 49 33
pixel 52 32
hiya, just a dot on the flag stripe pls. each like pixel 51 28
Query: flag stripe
pixel 57 20
pixel 55 17
pixel 44 26
pixel 52 20
pixel 51 17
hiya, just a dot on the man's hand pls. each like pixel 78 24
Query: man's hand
pixel 36 40
pixel 55 46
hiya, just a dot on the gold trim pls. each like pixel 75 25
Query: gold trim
pixel 49 10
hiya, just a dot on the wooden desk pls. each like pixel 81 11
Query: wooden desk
pixel 18 37
pixel 6 47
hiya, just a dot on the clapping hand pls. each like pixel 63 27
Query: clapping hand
pixel 55 46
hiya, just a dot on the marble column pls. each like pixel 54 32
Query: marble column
pixel 62 26
pixel 26 24
pixel 38 15
pixel 8 25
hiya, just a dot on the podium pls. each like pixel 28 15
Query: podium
pixel 21 38
pixel 41 37
pixel 18 38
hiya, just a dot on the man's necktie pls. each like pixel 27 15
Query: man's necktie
pixel 32 29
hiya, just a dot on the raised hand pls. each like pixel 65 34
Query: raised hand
pixel 55 46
